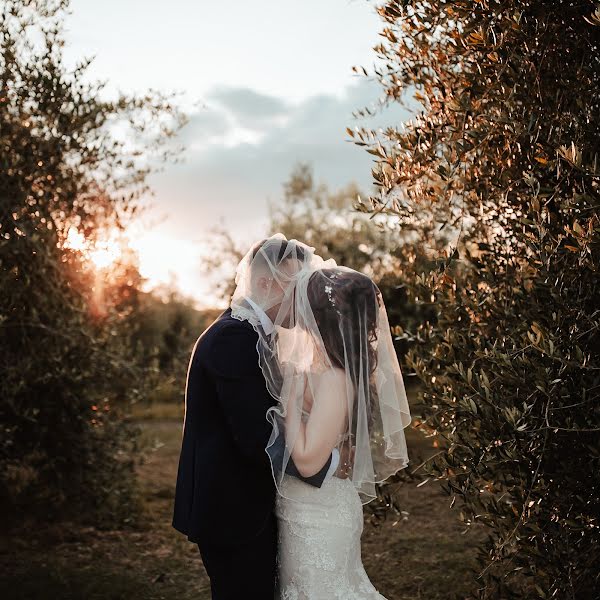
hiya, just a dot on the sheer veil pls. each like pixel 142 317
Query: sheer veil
pixel 326 352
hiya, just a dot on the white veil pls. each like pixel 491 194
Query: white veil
pixel 326 352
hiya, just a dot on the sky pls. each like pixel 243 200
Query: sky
pixel 266 84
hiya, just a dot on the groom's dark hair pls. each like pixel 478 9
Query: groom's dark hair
pixel 273 253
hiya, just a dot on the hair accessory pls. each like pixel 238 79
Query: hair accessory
pixel 328 290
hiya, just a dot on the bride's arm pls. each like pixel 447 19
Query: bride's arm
pixel 314 440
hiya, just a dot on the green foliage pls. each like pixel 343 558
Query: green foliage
pixel 323 218
pixel 65 352
pixel 164 332
pixel 504 153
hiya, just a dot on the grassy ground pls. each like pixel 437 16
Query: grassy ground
pixel 422 555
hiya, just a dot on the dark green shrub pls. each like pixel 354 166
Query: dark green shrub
pixel 66 365
pixel 504 154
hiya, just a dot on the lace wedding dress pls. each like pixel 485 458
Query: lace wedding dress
pixel 319 555
pixel 319 529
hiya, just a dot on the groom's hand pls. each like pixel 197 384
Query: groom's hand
pixel 344 469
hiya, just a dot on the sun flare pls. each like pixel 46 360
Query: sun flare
pixel 163 262
pixel 75 240
pixel 105 254
pixel 102 254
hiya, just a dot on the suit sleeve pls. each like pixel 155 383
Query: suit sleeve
pixel 315 480
pixel 276 451
pixel 241 391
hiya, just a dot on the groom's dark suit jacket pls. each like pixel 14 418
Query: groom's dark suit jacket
pixel 225 491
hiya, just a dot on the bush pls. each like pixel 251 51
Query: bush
pixel 504 154
pixel 67 369
pixel 165 331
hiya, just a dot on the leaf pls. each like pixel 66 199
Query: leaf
pixel 594 18
pixel 476 39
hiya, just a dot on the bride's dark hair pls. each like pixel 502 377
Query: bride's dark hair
pixel 347 301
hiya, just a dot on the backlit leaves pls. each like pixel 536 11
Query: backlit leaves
pixel 502 155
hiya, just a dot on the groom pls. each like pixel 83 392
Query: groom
pixel 225 494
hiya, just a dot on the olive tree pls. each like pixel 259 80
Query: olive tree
pixel 70 161
pixel 504 150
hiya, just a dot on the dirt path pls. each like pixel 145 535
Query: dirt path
pixel 423 555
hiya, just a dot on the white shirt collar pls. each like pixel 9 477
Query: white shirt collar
pixel 266 323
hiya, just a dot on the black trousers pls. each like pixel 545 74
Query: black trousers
pixel 247 570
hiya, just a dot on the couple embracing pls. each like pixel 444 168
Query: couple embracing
pixel 295 409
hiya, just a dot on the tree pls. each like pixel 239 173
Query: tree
pixel 324 219
pixel 340 226
pixel 67 181
pixel 505 149
pixel 164 331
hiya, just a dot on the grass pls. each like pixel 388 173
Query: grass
pixel 423 555
pixel 157 411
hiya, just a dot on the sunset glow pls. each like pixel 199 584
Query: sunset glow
pixel 172 263
pixel 75 240
pixel 101 254
pixel 164 262
pixel 105 254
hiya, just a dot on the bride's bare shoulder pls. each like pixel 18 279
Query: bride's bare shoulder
pixel 333 376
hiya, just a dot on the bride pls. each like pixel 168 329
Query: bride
pixel 332 368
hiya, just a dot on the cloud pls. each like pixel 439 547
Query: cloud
pixel 250 108
pixel 243 145
pixel 205 123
